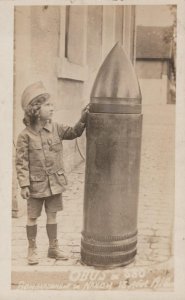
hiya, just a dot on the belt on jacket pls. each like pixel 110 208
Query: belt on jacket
pixel 53 172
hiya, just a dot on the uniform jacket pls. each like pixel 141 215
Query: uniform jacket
pixel 39 158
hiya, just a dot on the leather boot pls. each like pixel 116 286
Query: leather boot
pixel 32 256
pixel 32 253
pixel 54 250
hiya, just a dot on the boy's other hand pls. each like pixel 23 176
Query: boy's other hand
pixel 84 113
pixel 25 192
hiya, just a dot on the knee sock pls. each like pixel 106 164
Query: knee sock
pixel 51 232
pixel 31 234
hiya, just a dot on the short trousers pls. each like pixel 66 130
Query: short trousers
pixel 52 204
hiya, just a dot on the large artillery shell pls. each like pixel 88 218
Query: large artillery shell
pixel 109 235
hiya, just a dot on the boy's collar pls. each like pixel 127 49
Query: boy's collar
pixel 48 126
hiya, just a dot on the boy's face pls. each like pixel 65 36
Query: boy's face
pixel 46 110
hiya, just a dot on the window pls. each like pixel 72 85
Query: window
pixel 71 63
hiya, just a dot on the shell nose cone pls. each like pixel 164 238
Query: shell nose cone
pixel 116 77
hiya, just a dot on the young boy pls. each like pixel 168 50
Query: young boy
pixel 39 165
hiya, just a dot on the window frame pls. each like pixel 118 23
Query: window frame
pixel 65 68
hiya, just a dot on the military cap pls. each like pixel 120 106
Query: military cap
pixel 33 91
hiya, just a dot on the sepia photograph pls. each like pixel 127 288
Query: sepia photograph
pixel 94 147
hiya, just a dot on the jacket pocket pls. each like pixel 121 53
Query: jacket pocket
pixel 62 177
pixel 38 184
pixel 35 145
pixel 56 146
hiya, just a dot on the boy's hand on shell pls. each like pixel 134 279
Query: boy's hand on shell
pixel 25 192
pixel 84 113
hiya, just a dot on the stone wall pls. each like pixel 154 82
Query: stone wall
pixel 64 46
